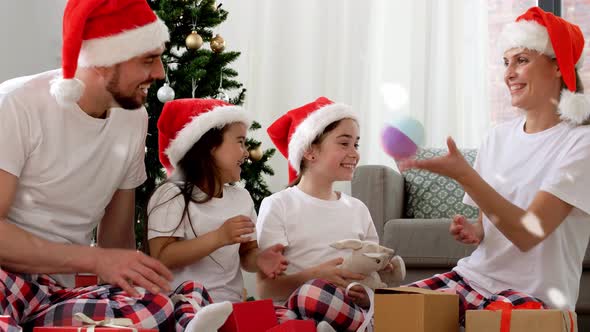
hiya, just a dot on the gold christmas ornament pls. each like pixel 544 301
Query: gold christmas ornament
pixel 217 44
pixel 194 41
pixel 256 154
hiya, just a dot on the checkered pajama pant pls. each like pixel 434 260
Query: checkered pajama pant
pixel 320 300
pixel 37 300
pixel 469 299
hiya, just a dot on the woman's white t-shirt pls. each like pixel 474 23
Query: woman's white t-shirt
pixel 519 165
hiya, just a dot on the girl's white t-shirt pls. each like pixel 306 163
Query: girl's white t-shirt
pixel 307 226
pixel 219 272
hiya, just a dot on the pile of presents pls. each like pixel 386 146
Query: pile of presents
pixel 396 309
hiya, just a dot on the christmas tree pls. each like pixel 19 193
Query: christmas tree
pixel 195 71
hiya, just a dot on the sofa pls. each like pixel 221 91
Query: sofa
pixel 412 213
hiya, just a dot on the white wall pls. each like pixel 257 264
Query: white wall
pixel 30 31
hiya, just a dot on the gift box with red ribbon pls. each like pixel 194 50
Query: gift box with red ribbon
pixel 85 279
pixel 505 317
pixel 88 329
pixel 109 324
pixel 5 319
pixel 295 326
pixel 251 316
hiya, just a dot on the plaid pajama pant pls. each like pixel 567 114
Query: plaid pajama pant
pixel 320 300
pixel 37 300
pixel 470 299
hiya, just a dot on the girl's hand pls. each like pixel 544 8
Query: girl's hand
pixel 452 165
pixel 464 232
pixel 331 272
pixel 232 230
pixel 388 268
pixel 359 296
pixel 271 261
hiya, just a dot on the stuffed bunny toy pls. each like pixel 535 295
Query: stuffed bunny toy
pixel 369 258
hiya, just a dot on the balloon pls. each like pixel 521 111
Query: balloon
pixel 402 137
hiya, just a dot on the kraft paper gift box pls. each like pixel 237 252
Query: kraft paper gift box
pixel 411 309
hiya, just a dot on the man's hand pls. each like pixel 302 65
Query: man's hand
pixel 126 268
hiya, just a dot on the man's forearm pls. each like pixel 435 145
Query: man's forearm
pixel 117 227
pixel 123 239
pixel 21 251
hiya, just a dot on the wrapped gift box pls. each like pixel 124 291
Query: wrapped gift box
pixel 85 279
pixel 295 326
pixel 251 316
pixel 85 328
pixel 521 320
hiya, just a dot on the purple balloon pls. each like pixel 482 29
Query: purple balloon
pixel 397 144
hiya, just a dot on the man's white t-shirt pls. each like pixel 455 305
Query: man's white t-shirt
pixel 307 226
pixel 519 165
pixel 68 163
pixel 219 272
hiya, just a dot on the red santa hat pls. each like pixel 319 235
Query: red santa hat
pixel 557 38
pixel 294 132
pixel 184 121
pixel 103 33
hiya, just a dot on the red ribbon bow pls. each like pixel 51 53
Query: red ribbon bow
pixel 506 309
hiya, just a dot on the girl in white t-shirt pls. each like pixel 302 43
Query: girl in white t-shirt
pixel 199 225
pixel 320 140
pixel 530 180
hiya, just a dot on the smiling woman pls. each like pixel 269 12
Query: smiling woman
pixel 529 179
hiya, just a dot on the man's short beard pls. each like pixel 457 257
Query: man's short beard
pixel 126 102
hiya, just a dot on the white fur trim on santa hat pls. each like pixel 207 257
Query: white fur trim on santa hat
pixel 310 128
pixel 574 107
pixel 218 117
pixel 530 35
pixel 66 91
pixel 121 47
pixel 526 34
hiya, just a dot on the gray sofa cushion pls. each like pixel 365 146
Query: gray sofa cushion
pixel 433 196
pixel 586 262
pixel 381 189
pixel 424 243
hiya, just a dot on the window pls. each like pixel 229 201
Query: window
pixel 578 12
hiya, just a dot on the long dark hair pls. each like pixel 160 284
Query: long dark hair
pixel 318 140
pixel 196 169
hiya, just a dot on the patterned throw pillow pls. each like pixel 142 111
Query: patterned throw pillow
pixel 433 196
